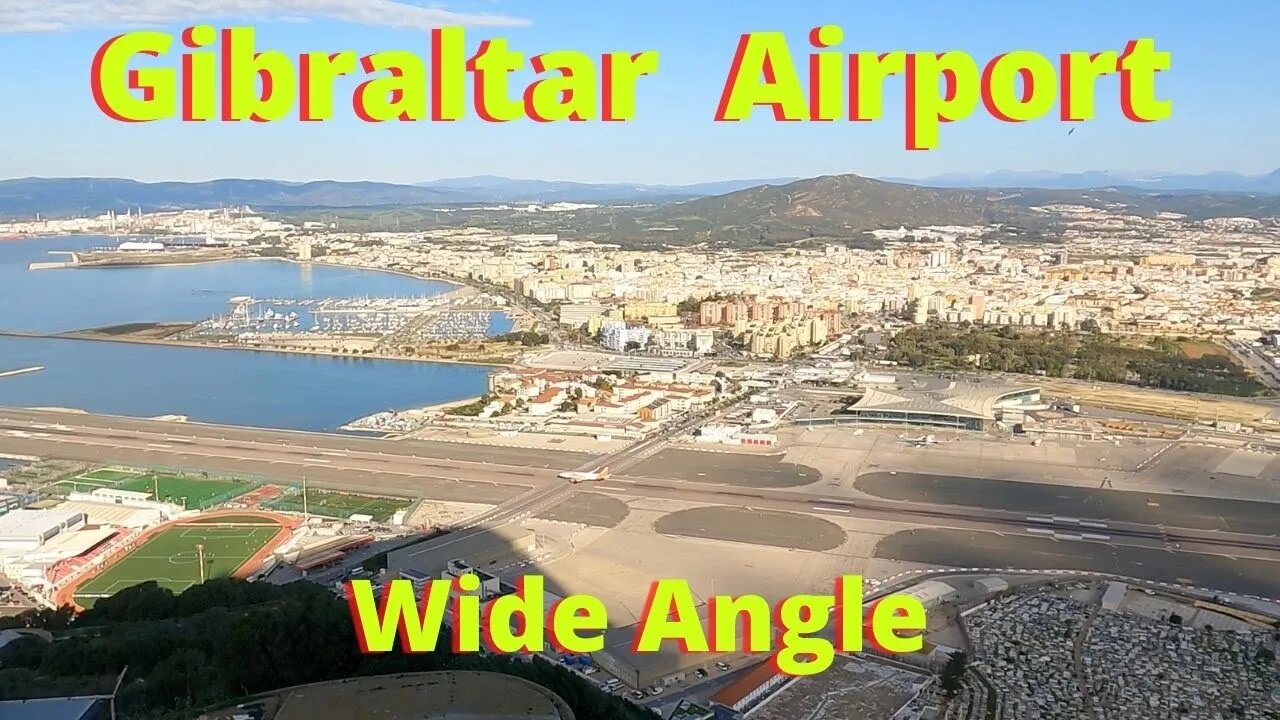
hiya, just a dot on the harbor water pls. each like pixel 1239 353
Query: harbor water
pixel 224 386
pixel 236 387
pixel 79 299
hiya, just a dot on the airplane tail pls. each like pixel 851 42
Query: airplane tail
pixel 604 471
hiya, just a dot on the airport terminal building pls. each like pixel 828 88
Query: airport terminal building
pixel 960 406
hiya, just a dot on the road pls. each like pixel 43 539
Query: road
pixel 1259 363
pixel 518 484
pixel 540 499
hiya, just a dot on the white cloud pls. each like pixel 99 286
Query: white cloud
pixel 44 16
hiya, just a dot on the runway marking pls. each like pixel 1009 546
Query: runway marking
pixel 160 445
pixel 334 453
pixel 830 509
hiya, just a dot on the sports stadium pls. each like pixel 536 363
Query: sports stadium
pixel 95 531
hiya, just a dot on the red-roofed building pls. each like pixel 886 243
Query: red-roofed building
pixel 749 689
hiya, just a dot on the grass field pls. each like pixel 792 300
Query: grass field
pixel 341 505
pixel 171 559
pixel 1196 349
pixel 193 492
pixel 1165 403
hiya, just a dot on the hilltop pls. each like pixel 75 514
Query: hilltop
pixel 833 206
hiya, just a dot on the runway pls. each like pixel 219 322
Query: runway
pixel 1256 517
pixel 956 548
pixel 524 483
pixel 1095 530
pixel 438 470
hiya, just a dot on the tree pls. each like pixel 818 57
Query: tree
pixel 237 639
pixel 953 673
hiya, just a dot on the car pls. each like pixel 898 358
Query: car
pixel 589 669
pixel 656 690
pixel 722 666
pixel 637 694
pixel 700 673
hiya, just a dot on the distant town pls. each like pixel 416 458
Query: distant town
pixel 1063 450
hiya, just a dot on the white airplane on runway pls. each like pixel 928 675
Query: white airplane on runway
pixel 923 440
pixel 591 475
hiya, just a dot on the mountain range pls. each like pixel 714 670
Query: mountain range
pixel 503 189
pixel 24 197
pixel 53 196
pixel 1098 179
pixel 744 213
pixel 844 207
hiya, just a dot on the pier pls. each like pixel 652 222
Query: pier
pixel 21 371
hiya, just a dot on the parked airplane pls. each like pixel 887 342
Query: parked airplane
pixel 923 440
pixel 593 475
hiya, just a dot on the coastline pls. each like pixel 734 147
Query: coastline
pixel 128 263
pixel 90 335
pixel 443 287
pixel 86 336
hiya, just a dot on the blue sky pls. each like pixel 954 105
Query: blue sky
pixel 1222 85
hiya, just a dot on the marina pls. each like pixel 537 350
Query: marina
pixel 313 385
pixel 63 301
pixel 456 315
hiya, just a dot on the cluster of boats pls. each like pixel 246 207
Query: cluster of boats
pixel 416 319
pixel 458 326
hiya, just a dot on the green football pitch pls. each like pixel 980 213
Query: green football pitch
pixel 192 492
pixel 171 558
pixel 341 505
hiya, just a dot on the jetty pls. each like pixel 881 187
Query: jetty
pixel 21 371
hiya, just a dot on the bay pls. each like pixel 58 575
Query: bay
pixel 302 392
pixel 83 298
pixel 235 387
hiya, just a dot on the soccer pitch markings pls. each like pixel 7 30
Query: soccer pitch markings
pixel 172 488
pixel 171 559
pixel 342 505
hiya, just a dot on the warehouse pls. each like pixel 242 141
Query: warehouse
pixel 930 593
pixel 665 667
pixel 491 549
pixel 29 529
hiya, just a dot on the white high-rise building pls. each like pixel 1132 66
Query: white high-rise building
pixel 616 335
